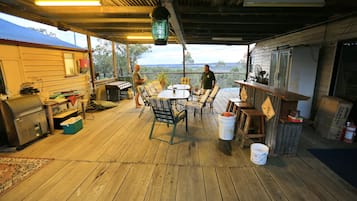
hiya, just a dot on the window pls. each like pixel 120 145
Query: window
pixel 102 58
pixel 70 64
pixel 2 80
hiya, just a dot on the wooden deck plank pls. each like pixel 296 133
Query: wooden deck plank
pixel 156 183
pixel 161 154
pixel 211 184
pixel 308 175
pixel 326 188
pixel 247 184
pixel 226 185
pixel 169 191
pixel 270 185
pixel 190 185
pixel 291 184
pixel 103 183
pixel 61 185
pixel 136 183
pixel 23 189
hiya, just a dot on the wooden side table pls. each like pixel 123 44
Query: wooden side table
pixel 50 104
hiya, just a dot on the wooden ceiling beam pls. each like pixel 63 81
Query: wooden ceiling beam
pixel 104 20
pixel 99 9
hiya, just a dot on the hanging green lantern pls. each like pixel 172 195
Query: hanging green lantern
pixel 160 25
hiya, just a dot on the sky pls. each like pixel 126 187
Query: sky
pixel 168 54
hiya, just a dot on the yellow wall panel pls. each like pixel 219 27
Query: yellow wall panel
pixel 42 67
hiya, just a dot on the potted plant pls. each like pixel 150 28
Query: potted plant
pixel 162 78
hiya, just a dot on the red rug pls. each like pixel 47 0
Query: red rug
pixel 15 170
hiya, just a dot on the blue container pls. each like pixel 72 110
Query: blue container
pixel 72 125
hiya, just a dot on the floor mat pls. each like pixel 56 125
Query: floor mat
pixel 342 161
pixel 15 170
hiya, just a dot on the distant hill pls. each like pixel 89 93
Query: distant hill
pixel 224 67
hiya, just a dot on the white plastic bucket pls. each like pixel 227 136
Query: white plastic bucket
pixel 226 127
pixel 259 153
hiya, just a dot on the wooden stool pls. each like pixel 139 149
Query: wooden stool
pixel 238 107
pixel 230 104
pixel 251 125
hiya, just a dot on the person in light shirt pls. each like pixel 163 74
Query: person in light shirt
pixel 137 80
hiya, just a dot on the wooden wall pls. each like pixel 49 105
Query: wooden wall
pixel 43 67
pixel 326 36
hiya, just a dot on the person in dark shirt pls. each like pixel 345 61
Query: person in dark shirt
pixel 208 80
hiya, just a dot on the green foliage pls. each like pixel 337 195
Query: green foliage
pixel 136 51
pixel 103 58
pixel 188 58
pixel 162 77
pixel 221 64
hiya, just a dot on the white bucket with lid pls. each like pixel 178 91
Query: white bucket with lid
pixel 259 153
pixel 226 126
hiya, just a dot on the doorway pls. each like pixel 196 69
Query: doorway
pixel 344 82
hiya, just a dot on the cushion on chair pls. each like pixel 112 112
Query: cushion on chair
pixel 147 89
pixel 179 115
pixel 204 97
pixel 214 91
pixel 194 104
pixel 213 94
pixel 153 88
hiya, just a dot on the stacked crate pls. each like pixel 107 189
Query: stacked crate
pixel 331 116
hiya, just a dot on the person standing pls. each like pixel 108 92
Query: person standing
pixel 208 80
pixel 137 80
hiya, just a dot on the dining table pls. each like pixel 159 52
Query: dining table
pixel 179 87
pixel 174 94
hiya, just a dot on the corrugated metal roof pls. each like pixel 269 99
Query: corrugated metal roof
pixel 228 22
pixel 13 32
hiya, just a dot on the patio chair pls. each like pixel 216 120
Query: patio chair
pixel 165 113
pixel 212 96
pixel 145 97
pixel 185 80
pixel 200 104
pixel 153 88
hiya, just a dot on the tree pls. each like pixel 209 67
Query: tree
pixel 188 58
pixel 221 64
pixel 103 59
pixel 135 53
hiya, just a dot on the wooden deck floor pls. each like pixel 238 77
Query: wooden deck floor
pixel 111 158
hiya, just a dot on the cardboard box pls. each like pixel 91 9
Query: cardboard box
pixel 72 125
pixel 331 116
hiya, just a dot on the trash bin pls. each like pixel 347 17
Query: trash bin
pixel 226 125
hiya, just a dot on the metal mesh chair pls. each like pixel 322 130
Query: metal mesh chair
pixel 164 112
pixel 145 97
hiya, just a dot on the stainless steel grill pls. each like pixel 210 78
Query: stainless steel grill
pixel 24 119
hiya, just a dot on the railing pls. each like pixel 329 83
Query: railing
pixel 224 79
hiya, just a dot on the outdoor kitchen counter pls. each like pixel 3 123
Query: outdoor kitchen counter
pixel 283 94
pixel 278 132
